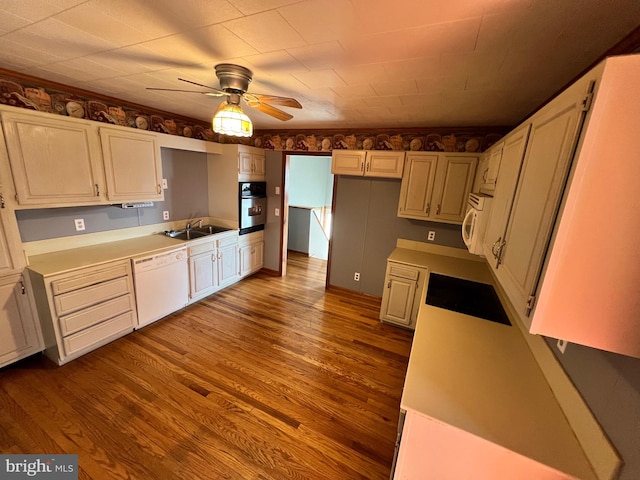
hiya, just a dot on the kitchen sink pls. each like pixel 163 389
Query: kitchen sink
pixel 210 229
pixel 197 232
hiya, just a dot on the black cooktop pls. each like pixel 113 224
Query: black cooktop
pixel 465 296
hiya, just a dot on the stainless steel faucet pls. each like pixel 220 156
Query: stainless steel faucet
pixel 190 226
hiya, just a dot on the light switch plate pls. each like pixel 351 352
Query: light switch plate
pixel 277 212
pixel 277 190
pixel 165 185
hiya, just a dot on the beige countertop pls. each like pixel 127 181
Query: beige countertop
pixel 66 260
pixel 481 377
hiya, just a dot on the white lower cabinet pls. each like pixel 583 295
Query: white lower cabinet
pixel 213 264
pixel 251 252
pixel 84 309
pixel 402 294
pixel 19 331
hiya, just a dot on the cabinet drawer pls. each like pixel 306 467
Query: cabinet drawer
pixel 224 241
pixel 86 338
pixel 86 297
pixel 93 315
pixel 403 271
pixel 202 248
pixel 84 280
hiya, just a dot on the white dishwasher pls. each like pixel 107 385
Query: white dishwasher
pixel 162 284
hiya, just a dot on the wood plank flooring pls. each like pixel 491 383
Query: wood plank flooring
pixel 271 378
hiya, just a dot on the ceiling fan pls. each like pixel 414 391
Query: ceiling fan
pixel 234 83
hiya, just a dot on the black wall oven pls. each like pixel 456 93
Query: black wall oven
pixel 253 206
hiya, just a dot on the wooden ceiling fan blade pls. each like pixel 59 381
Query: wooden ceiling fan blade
pixel 273 100
pixel 269 110
pixel 222 92
pixel 184 91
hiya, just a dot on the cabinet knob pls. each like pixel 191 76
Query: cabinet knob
pixel 389 284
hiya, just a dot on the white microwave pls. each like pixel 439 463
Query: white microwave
pixel 475 221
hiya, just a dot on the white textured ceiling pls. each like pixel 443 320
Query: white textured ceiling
pixel 350 63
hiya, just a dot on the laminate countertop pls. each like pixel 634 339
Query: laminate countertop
pixel 481 377
pixel 67 260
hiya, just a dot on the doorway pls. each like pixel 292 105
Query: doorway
pixel 308 200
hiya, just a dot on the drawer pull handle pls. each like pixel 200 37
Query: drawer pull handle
pixel 23 290
pixel 97 190
pixel 438 210
pixel 428 209
pixel 1 200
pixel 389 284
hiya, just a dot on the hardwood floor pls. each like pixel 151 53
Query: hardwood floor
pixel 271 378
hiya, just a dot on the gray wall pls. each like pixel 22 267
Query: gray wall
pixel 366 228
pixel 298 238
pixel 610 384
pixel 185 198
pixel 272 229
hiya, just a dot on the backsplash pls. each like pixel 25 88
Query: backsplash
pixel 33 95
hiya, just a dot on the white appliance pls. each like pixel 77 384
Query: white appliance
pixel 162 284
pixel 475 221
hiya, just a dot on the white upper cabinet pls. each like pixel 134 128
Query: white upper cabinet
pixel 368 163
pixel 552 139
pixel 512 152
pixel 435 186
pixel 251 164
pixel 54 161
pixel 133 166
pixel 589 293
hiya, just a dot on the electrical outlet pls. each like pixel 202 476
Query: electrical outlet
pixel 79 222
pixel 277 190
pixel 165 185
pixel 431 236
pixel 356 276
pixel 165 215
pixel 277 212
pixel 562 345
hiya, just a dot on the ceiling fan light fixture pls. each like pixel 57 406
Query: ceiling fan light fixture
pixel 229 119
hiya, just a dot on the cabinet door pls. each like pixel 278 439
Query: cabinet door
pixel 258 161
pixel 245 260
pixel 55 161
pixel 251 166
pixel 245 163
pixel 494 167
pixel 417 186
pixel 454 180
pixel 133 167
pixel 397 300
pixel 203 275
pixel 19 333
pixel 227 265
pixel 510 164
pixel 384 164
pixel 348 162
pixel 251 258
pixel 544 172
